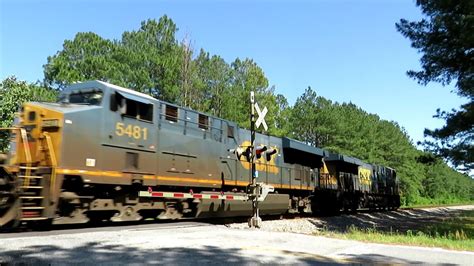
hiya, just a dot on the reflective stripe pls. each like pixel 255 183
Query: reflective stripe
pixel 173 195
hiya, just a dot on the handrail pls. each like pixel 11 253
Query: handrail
pixel 191 122
pixel 54 163
pixel 26 147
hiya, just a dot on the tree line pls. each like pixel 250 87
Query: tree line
pixel 151 60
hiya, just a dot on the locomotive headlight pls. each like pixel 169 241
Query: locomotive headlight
pixel 50 123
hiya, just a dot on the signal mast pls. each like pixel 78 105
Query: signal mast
pixel 254 189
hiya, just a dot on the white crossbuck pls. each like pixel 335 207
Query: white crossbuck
pixel 261 117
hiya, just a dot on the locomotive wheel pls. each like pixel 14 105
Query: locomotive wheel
pixel 8 199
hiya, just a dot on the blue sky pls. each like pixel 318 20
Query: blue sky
pixel 345 50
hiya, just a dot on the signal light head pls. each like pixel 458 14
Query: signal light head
pixel 270 152
pixel 239 151
pixel 259 150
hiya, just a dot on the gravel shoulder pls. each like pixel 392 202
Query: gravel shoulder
pixel 400 220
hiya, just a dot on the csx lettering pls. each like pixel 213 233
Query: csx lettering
pixel 135 132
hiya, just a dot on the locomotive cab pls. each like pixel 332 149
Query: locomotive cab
pixel 28 174
pixel 32 173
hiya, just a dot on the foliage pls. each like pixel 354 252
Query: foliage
pixel 12 94
pixel 154 57
pixel 85 57
pixel 147 60
pixel 445 37
pixel 211 83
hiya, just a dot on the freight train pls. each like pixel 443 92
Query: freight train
pixel 107 153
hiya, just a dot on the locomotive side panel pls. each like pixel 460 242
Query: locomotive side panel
pixel 128 138
pixel 81 148
pixel 188 150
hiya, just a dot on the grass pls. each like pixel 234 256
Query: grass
pixel 454 233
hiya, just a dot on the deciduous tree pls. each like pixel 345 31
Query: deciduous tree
pixel 13 93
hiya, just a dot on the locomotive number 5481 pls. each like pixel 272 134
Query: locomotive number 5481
pixel 131 131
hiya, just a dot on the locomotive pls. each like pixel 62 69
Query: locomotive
pixel 107 153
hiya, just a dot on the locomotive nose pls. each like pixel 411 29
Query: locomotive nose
pixel 28 172
pixel 40 122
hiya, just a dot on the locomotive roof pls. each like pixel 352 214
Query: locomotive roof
pixel 298 145
pixel 344 158
pixel 129 91
pixel 101 84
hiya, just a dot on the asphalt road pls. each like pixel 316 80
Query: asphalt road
pixel 113 227
pixel 199 243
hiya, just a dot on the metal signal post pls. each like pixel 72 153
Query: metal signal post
pixel 253 189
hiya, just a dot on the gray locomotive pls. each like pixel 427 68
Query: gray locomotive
pixel 104 152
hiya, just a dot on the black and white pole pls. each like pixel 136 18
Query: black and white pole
pixel 254 189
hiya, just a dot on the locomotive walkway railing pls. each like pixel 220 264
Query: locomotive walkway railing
pixel 206 128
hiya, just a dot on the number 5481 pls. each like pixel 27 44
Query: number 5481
pixel 135 132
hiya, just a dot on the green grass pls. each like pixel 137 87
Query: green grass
pixel 454 233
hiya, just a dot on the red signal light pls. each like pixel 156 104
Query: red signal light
pixel 259 150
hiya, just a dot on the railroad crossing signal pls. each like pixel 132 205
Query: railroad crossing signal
pixel 254 189
pixel 261 117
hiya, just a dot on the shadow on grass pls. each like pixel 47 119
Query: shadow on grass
pixel 442 219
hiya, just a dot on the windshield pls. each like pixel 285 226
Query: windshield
pixel 90 97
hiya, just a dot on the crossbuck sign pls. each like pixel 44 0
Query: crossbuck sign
pixel 261 117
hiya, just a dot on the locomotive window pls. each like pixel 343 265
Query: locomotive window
pixel 32 116
pixel 203 121
pixel 89 97
pixel 131 108
pixel 230 131
pixel 145 112
pixel 171 113
pixel 139 110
